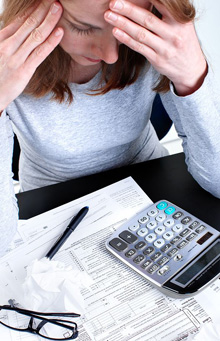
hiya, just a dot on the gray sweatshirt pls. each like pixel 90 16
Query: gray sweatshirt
pixel 95 133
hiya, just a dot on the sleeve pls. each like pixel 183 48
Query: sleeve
pixel 8 202
pixel 197 120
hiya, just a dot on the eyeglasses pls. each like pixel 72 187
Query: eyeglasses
pixel 42 324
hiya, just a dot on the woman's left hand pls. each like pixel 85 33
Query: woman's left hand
pixel 170 46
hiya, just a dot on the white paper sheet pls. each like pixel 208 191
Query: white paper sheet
pixel 119 304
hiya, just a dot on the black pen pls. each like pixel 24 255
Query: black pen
pixel 70 228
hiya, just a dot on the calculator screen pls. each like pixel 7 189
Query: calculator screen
pixel 198 266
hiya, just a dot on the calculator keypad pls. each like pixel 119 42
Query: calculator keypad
pixel 159 241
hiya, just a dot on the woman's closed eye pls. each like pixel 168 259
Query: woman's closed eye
pixel 81 31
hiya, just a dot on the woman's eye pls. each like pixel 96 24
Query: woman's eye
pixel 81 31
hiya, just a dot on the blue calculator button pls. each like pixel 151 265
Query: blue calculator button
pixel 162 205
pixel 170 210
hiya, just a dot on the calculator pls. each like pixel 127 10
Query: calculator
pixel 175 251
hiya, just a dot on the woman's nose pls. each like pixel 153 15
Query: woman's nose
pixel 107 49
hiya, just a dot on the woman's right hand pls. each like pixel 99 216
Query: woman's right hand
pixel 24 44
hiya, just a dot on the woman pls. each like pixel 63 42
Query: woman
pixel 76 80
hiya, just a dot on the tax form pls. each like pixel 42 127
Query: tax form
pixel 119 304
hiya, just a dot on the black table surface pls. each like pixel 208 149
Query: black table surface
pixel 164 178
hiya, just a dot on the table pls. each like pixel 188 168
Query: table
pixel 163 178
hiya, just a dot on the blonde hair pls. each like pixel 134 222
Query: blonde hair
pixel 50 77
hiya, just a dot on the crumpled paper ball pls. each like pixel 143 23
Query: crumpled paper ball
pixel 51 286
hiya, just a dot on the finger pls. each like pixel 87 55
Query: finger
pixel 137 32
pixel 39 34
pixel 31 22
pixel 141 16
pixel 143 49
pixel 43 51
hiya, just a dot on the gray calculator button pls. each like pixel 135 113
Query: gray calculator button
pixel 153 212
pixel 138 259
pixel 128 237
pixel 156 256
pixel 151 225
pixel 149 250
pixel 143 220
pixel 194 225
pixel 150 238
pixel 182 244
pixel 161 217
pixel 146 264
pixel 191 236
pixel 153 268
pixel 163 260
pixel 134 227
pixel 140 245
pixel 169 222
pixel 200 228
pixel 178 257
pixel 118 244
pixel 166 247
pixel 142 232
pixel 185 232
pixel 130 253
pixel 186 220
pixel 175 240
pixel 177 215
pixel 172 252
pixel 163 270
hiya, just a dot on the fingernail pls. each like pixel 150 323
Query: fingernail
pixel 118 5
pixel 55 8
pixel 112 16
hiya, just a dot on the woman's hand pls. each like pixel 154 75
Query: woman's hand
pixel 171 47
pixel 24 44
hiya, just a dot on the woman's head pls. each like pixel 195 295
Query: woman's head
pixel 88 40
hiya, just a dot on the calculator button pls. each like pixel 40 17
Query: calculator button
pixel 142 232
pixel 177 228
pixel 191 236
pixel 162 205
pixel 175 240
pixel 163 270
pixel 134 227
pixel 118 244
pixel 160 230
pixel 150 238
pixel 146 264
pixel 194 225
pixel 151 225
pixel 172 252
pixel 166 247
pixel 143 220
pixel 161 217
pixel 140 245
pixel 152 213
pixel 168 235
pixel 153 268
pixel 169 222
pixel 186 220
pixel 185 232
pixel 163 260
pixel 156 256
pixel 182 244
pixel 128 237
pixel 200 228
pixel 170 210
pixel 130 253
pixel 159 243
pixel 178 257
pixel 177 215
pixel 138 259
pixel 149 250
